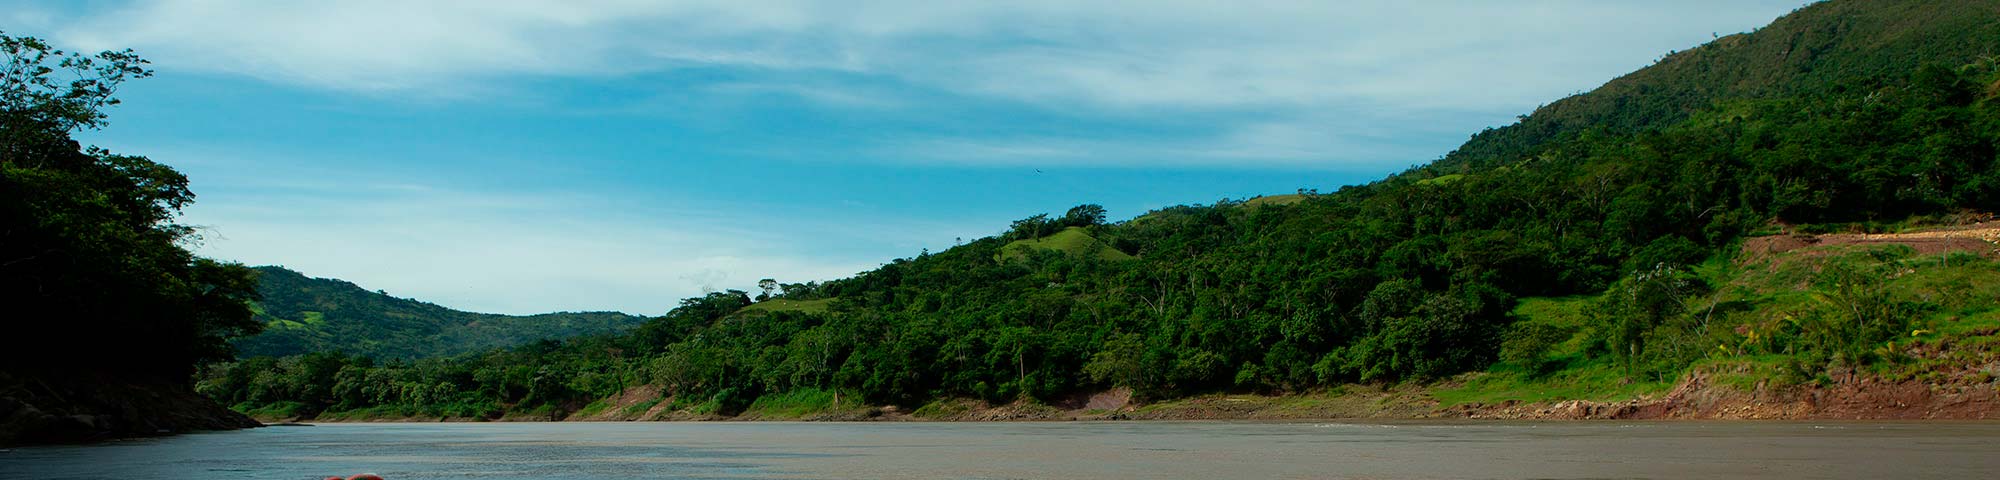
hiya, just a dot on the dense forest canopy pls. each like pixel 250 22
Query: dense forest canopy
pixel 94 273
pixel 1826 48
pixel 1849 114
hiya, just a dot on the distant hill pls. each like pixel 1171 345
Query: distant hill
pixel 303 314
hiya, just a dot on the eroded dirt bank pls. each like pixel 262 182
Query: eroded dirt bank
pixel 1851 397
pixel 1979 238
pixel 1968 394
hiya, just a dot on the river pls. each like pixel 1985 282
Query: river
pixel 1191 450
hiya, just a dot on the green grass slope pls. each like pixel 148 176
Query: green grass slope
pixel 1073 240
pixel 788 305
pixel 1285 199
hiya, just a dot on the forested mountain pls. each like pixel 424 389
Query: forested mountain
pixel 1831 48
pixel 1595 241
pixel 302 314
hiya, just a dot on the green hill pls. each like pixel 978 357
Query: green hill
pixel 1072 241
pixel 1826 49
pixel 1594 251
pixel 303 314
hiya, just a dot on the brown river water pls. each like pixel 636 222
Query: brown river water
pixel 1111 450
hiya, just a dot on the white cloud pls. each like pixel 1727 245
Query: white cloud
pixel 1360 139
pixel 843 96
pixel 1300 66
pixel 1131 54
pixel 26 16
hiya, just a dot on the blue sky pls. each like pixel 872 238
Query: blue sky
pixel 522 157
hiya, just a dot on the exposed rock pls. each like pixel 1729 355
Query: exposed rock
pixel 1110 400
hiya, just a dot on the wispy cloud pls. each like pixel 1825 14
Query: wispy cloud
pixel 1130 60
pixel 1113 54
pixel 1355 140
pixel 819 93
pixel 27 16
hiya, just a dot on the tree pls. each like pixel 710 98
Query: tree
pixel 768 285
pixel 1085 215
pixel 1032 227
pixel 1120 363
pixel 41 108
pixel 1638 304
pixel 92 266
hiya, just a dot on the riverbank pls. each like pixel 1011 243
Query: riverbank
pixel 1713 392
pixel 89 408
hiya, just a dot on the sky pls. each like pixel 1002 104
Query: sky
pixel 533 156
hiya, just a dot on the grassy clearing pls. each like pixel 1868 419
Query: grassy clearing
pixel 711 406
pixel 1286 199
pixel 1442 179
pixel 593 409
pixel 789 305
pixel 1073 241
pixel 1580 380
pixel 944 408
pixel 636 409
pixel 310 319
pixel 798 404
pixel 384 412
pixel 280 410
pixel 1565 313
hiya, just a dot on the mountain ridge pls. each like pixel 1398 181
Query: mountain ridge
pixel 1696 78
pixel 306 314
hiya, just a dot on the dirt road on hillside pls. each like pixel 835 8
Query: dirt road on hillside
pixel 1980 238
